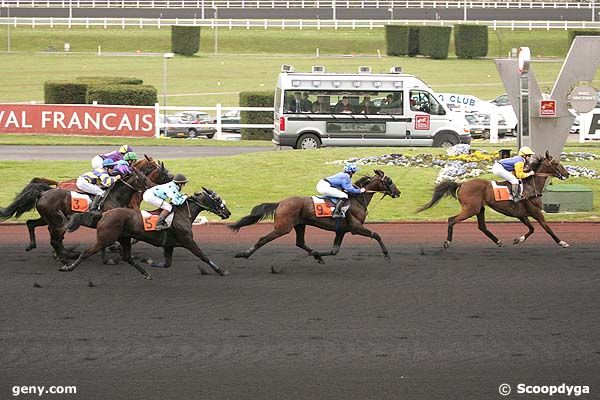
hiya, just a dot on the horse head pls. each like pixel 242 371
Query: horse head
pixel 212 202
pixel 137 180
pixel 551 166
pixel 379 183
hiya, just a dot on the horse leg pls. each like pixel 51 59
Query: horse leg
pixel 528 224
pixel 168 251
pixel 126 253
pixel 300 230
pixel 274 234
pixel 193 247
pixel 90 251
pixel 106 260
pixel 483 228
pixel 31 225
pixel 337 243
pixel 539 217
pixel 56 240
pixel 362 231
pixel 465 213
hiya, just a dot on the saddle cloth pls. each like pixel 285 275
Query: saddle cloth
pixel 502 192
pixel 69 185
pixel 323 207
pixel 150 218
pixel 80 202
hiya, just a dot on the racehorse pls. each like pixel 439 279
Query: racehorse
pixel 297 212
pixel 54 206
pixel 475 194
pixel 123 224
pixel 155 171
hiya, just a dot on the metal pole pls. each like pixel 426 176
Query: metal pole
pixel 165 95
pixel 70 9
pixel 8 29
pixel 216 15
pixel 593 10
pixel 465 11
pixel 333 9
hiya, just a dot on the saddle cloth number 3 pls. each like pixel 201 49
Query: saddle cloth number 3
pixel 79 203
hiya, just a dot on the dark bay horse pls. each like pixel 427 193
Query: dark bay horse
pixel 123 224
pixel 297 212
pixel 475 194
pixel 54 206
pixel 155 171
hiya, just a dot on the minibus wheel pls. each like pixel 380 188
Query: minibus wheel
pixel 445 139
pixel 308 141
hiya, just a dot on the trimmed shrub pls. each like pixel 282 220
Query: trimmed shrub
pixel 110 80
pixel 128 95
pixel 256 99
pixel 64 92
pixel 582 32
pixel 185 40
pixel 402 40
pixel 470 41
pixel 434 41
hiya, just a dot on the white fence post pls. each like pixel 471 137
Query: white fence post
pixel 156 120
pixel 219 133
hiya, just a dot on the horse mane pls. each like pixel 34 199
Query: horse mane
pixel 363 181
pixel 536 162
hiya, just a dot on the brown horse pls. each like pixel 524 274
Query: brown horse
pixel 297 212
pixel 123 224
pixel 155 171
pixel 54 206
pixel 475 194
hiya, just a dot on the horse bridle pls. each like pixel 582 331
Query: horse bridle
pixel 556 174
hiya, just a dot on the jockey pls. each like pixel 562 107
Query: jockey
pixel 97 181
pixel 125 166
pixel 338 186
pixel 162 196
pixel 511 169
pixel 116 155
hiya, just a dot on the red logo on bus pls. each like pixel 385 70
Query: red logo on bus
pixel 422 122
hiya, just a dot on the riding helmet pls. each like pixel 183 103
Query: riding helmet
pixel 350 168
pixel 180 178
pixel 525 151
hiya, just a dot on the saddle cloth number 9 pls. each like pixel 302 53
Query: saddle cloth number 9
pixel 323 209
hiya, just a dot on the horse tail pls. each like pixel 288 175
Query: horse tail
pixel 258 213
pixel 446 188
pixel 24 201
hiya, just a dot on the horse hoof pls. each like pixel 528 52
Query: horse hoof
pixel 241 255
pixel 223 272
pixel 30 247
pixel 387 258
pixel 446 244
pixel 148 277
pixel 320 261
pixel 278 271
pixel 499 243
pixel 64 268
pixel 111 261
pixel 564 244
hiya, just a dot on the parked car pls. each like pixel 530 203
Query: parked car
pixel 480 125
pixel 198 118
pixel 180 131
pixel 229 118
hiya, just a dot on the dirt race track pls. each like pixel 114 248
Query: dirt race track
pixel 429 325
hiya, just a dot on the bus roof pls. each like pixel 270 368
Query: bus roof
pixel 348 81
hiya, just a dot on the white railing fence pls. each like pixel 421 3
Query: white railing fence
pixel 141 23
pixel 174 4
pixel 217 110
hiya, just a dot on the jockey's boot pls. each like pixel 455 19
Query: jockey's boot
pixel 340 208
pixel 96 204
pixel 161 224
pixel 516 193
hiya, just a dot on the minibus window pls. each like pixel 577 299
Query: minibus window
pixel 422 101
pixel 343 102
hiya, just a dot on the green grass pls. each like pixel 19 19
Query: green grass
pixel 249 179
pixel 51 140
pixel 207 79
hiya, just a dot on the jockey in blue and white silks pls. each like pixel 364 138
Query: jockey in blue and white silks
pixel 162 196
pixel 338 186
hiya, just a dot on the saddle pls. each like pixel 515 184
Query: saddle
pixel 324 206
pixel 150 219
pixel 503 191
pixel 69 185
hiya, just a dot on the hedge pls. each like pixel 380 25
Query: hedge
pixel 64 92
pixel 434 41
pixel 256 99
pixel 129 95
pixel 185 40
pixel 402 40
pixel 582 32
pixel 114 80
pixel 470 41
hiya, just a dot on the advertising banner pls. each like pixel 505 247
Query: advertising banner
pixel 93 120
